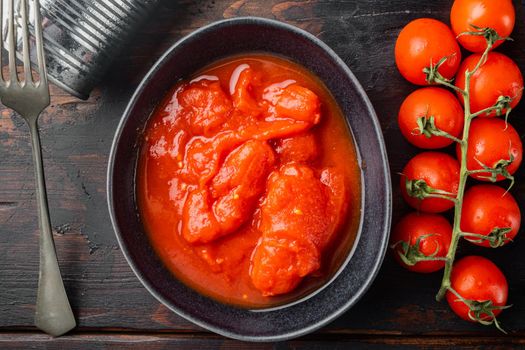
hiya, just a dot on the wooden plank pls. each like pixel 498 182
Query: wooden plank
pixel 99 341
pixel 76 137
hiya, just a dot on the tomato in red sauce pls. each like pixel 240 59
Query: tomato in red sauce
pixel 248 184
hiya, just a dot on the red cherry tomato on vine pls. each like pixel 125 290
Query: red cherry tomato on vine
pixel 486 207
pixel 496 14
pixel 478 279
pixel 429 102
pixel 498 76
pixel 439 171
pixel 433 232
pixel 492 140
pixel 426 41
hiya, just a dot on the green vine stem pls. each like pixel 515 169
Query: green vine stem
pixel 479 311
pixel 496 238
pixel 426 126
pixel 420 189
pixel 412 254
pixel 502 104
pixel 463 176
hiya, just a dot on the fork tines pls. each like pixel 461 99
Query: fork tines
pixel 18 26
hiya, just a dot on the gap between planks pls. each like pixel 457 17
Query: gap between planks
pixel 373 337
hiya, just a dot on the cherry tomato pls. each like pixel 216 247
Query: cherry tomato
pixel 423 42
pixel 486 207
pixel 496 14
pixel 498 76
pixel 439 171
pixel 429 102
pixel 478 279
pixel 492 140
pixel 433 232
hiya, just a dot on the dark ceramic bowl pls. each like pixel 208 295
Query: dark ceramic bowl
pixel 226 38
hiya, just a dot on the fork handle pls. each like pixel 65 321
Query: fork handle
pixel 53 311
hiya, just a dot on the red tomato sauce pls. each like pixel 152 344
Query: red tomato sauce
pixel 248 184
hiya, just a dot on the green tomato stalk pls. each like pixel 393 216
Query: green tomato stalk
pixel 482 312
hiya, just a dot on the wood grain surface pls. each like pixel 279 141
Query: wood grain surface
pixel 112 308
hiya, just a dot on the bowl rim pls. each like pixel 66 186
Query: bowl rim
pixel 384 162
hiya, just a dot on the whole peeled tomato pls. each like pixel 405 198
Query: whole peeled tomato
pixel 434 234
pixel 491 141
pixel 478 279
pixel 496 14
pixel 438 171
pixel 488 207
pixel 423 42
pixel 498 76
pixel 431 102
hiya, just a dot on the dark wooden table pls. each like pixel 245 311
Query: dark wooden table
pixel 112 308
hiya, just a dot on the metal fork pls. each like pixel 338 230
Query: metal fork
pixel 29 98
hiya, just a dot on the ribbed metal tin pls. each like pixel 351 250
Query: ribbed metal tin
pixel 82 37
